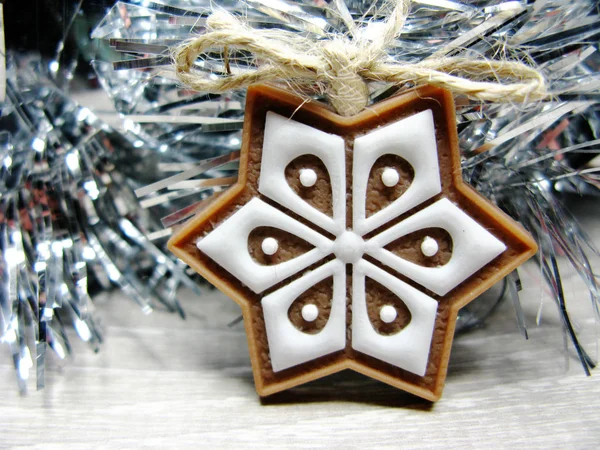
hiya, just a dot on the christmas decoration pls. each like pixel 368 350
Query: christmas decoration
pixel 522 156
pixel 517 150
pixel 261 242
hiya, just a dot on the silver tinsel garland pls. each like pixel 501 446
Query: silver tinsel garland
pixel 69 224
pixel 67 208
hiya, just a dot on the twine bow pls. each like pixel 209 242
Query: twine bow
pixel 343 65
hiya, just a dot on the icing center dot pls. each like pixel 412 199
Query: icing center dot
pixel 349 247
pixel 310 312
pixel 308 177
pixel 429 246
pixel 270 246
pixel 387 313
pixel 390 177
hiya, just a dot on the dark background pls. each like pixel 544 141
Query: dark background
pixel 40 25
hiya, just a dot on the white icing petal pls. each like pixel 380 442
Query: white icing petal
pixel 286 140
pixel 472 247
pixel 289 346
pixel 407 349
pixel 413 139
pixel 227 245
pixel 308 177
pixel 429 246
pixel 390 177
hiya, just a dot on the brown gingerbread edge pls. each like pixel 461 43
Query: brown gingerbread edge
pixel 255 93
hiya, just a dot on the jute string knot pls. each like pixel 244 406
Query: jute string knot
pixel 341 66
pixel 347 89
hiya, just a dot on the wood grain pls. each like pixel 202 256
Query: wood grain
pixel 160 382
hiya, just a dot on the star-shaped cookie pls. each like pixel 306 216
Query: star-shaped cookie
pixel 351 242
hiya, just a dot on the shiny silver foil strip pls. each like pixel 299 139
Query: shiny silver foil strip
pixel 70 225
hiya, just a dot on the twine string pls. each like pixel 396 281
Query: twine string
pixel 343 66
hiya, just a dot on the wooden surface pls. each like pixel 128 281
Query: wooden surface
pixel 160 382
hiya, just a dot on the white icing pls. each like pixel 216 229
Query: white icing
pixel 388 313
pixel 429 246
pixel 413 139
pixel 407 349
pixel 310 312
pixel 472 247
pixel 348 247
pixel 308 177
pixel 269 246
pixel 286 140
pixel 390 177
pixel 289 346
pixel 228 245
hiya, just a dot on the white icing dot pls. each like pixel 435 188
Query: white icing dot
pixel 310 312
pixel 387 313
pixel 308 177
pixel 349 247
pixel 429 246
pixel 390 177
pixel 270 246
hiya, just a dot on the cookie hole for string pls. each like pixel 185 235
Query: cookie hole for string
pixel 309 179
pixel 389 178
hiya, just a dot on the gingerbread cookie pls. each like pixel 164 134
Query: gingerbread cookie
pixel 351 242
